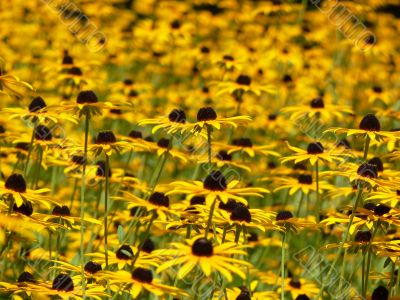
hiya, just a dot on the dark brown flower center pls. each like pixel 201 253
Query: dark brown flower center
pixel 215 182
pixel 243 80
pixel 304 179
pixel 75 71
pixel 241 213
pixel 37 104
pixel 62 211
pixel 370 206
pixel 26 208
pixel 197 200
pixel 43 133
pixel 243 142
pixel 315 148
pixel 124 252
pixel 148 246
pixel 159 199
pixel 377 89
pixel 134 134
pixel 295 283
pixel 370 123
pixel 368 170
pixel 16 182
pixel 22 146
pixel 177 116
pixel 377 162
pixel 363 236
pixel 284 215
pixel 380 293
pixel 92 267
pixel 101 169
pixel 381 209
pixel 163 143
pixel 26 277
pixel 244 295
pixel 206 114
pixel 253 237
pixel 142 275
pixel 223 155
pixel 106 137
pixel 317 103
pixel 202 247
pixel 63 283
pixel 87 97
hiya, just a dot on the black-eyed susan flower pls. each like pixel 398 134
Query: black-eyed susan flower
pixel 10 85
pixel 303 183
pixel 15 190
pixel 138 281
pixel 39 112
pixel 66 287
pixel 315 152
pixel 157 203
pixel 107 143
pixel 317 109
pixel 124 256
pixel 172 123
pixel 200 252
pixel 243 84
pixel 369 127
pixel 207 119
pixel 245 145
pixel 215 186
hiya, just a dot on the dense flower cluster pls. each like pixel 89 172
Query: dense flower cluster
pixel 199 149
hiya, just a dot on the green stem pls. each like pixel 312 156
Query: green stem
pixel 106 191
pixel 73 193
pixel 82 204
pixel 366 148
pixel 318 204
pixel 300 205
pixel 145 237
pixel 210 217
pixel 392 280
pixel 344 239
pixel 283 267
pixel 30 150
pixel 237 233
pixel 363 274
pixel 369 253
pixel 209 129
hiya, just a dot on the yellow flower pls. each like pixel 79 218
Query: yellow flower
pixel 215 187
pixel 15 187
pixel 66 287
pixel 369 127
pixel 201 252
pixel 315 152
pixel 140 280
pixel 245 145
pixel 207 119
pixel 174 122
pixel 317 109
pixel 303 183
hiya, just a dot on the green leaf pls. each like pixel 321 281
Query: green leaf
pixel 121 234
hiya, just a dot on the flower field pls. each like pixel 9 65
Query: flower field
pixel 199 149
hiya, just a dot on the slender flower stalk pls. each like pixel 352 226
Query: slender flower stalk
pixel 283 266
pixel 346 235
pixel 106 192
pixel 369 257
pixel 82 203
